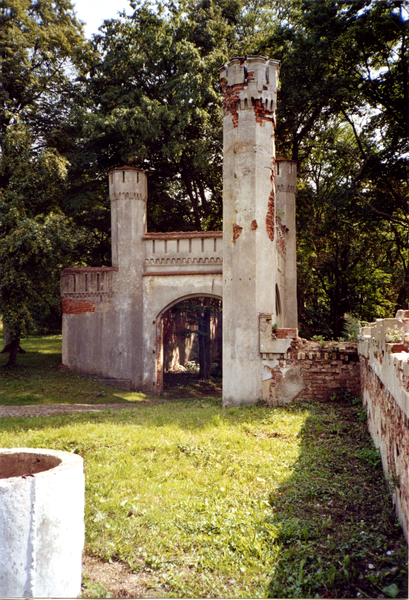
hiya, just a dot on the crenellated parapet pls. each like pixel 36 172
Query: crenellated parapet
pixel 83 290
pixel 250 84
pixel 128 183
pixel 176 252
pixel 87 281
pixel 128 191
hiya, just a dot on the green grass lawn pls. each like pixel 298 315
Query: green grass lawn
pixel 286 502
pixel 39 378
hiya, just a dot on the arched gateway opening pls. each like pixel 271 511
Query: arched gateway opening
pixel 189 360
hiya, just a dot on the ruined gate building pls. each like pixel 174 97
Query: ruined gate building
pixel 112 315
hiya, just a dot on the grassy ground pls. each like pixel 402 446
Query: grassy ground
pixel 188 385
pixel 199 501
pixel 39 378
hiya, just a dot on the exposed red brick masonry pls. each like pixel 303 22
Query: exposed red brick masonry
pixel 391 425
pixel 236 232
pixel 281 237
pixel 77 307
pixel 262 114
pixel 385 387
pixel 270 224
pixel 286 333
pixel 324 367
pixel 231 99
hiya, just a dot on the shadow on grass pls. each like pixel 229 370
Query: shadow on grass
pixel 184 385
pixel 337 528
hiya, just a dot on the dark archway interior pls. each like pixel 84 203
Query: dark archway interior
pixel 192 348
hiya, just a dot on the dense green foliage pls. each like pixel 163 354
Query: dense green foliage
pixel 145 92
pixel 39 44
pixel 343 114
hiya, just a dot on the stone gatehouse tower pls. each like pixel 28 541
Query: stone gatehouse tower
pixel 112 315
pixel 259 268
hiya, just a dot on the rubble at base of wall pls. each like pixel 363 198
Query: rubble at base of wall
pixel 384 357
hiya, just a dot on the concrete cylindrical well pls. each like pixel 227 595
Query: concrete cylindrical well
pixel 41 523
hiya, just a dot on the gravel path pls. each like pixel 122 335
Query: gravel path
pixel 49 410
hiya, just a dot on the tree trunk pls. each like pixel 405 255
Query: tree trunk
pixel 406 284
pixel 204 344
pixel 6 336
pixel 12 348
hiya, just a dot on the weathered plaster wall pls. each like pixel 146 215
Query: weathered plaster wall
pixel 285 186
pixel 111 314
pixel 94 327
pixel 117 333
pixel 259 258
pixel 385 393
pixel 249 257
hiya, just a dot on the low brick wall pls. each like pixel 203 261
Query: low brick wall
pixel 385 394
pixel 326 367
pixel 310 370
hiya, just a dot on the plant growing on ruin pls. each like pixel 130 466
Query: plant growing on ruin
pixel 274 329
pixel 317 338
pixel 351 328
pixel 393 479
pixel 395 335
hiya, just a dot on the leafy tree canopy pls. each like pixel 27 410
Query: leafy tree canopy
pixel 41 42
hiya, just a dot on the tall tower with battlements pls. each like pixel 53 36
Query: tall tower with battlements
pixel 253 232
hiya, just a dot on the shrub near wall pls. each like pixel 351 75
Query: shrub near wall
pixel 385 394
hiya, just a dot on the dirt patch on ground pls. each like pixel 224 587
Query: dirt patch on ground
pixel 114 580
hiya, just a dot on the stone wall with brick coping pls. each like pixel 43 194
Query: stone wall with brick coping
pixel 385 394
